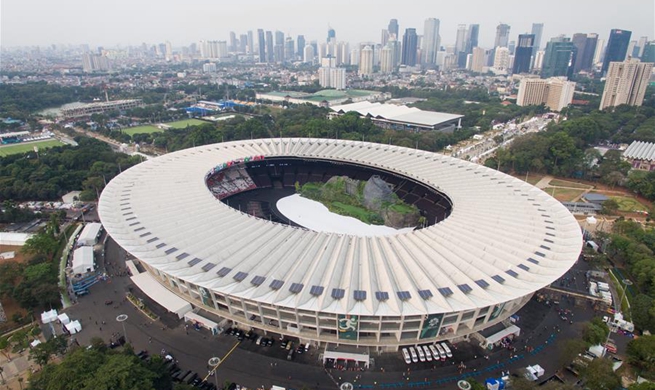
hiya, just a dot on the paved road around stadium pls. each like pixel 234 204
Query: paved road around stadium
pixel 255 366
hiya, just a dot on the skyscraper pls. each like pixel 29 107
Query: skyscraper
pixel 289 49
pixel 460 46
pixel 478 59
pixel 233 42
pixel 251 43
pixel 626 83
pixel 308 54
pixel 278 49
pixel 642 44
pixel 617 47
pixel 556 93
pixel 430 41
pixel 243 43
pixel 523 54
pixel 393 29
pixel 410 41
pixel 559 58
pixel 501 59
pixel 301 45
pixel 537 31
pixel 585 44
pixel 502 35
pixel 386 60
pixel 366 61
pixel 270 52
pixel 332 35
pixel 261 45
pixel 472 37
pixel 649 52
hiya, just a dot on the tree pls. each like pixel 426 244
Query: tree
pixel 643 312
pixel 641 353
pixel 642 386
pixel 42 353
pixel 610 206
pixel 570 349
pixel 595 332
pixel 599 375
pixel 5 346
pixel 40 243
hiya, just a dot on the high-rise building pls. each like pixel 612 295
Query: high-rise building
pixel 393 29
pixel 243 43
pixel 386 60
pixel 301 46
pixel 642 44
pixel 559 58
pixel 169 51
pixel 308 54
pixel 460 45
pixel 251 43
pixel 502 35
pixel 410 42
pixel 649 52
pixel 472 37
pixel 92 62
pixel 289 49
pixel 626 83
pixel 338 78
pixel 233 42
pixel 556 93
pixel 585 45
pixel 633 50
pixel 478 59
pixel 600 51
pixel 270 51
pixel 430 41
pixel 384 36
pixel 366 61
pixel 261 45
pixel 537 31
pixel 501 59
pixel 523 55
pixel 538 60
pixel 331 35
pixel 617 47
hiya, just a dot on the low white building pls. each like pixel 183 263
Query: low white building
pixel 90 234
pixel 83 261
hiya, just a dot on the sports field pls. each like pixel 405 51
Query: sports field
pixel 147 129
pixel 628 204
pixel 7 150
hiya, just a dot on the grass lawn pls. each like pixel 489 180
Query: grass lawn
pixel 532 178
pixel 563 194
pixel 147 129
pixel 565 183
pixel 628 204
pixel 28 147
pixel 184 123
pixel 353 211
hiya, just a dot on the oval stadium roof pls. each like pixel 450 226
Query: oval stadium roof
pixel 504 238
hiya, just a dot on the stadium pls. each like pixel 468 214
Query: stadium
pixel 203 222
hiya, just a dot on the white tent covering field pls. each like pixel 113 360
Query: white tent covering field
pixel 49 316
pixel 14 239
pixel 63 318
pixel 83 260
pixel 204 322
pixel 158 293
pixel 89 234
pixel 74 327
pixel 315 216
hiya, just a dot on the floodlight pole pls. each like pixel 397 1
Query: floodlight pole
pixel 122 318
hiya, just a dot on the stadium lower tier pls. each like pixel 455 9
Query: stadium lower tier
pixel 384 333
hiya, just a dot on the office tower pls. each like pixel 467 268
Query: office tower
pixel 501 59
pixel 478 59
pixel 472 37
pixel 308 54
pixel 251 43
pixel 366 61
pixel 342 52
pixel 397 52
pixel 386 60
pixel 523 55
pixel 556 93
pixel 617 47
pixel 410 41
pixel 222 49
pixel 537 31
pixel 502 35
pixel 649 52
pixel 169 51
pixel 331 35
pixel 289 49
pixel 270 51
pixel 393 29
pixel 585 45
pixel 626 83
pixel 233 42
pixel 278 48
pixel 642 44
pixel 600 50
pixel 430 41
pixel 460 45
pixel 301 46
pixel 384 36
pixel 512 47
pixel 559 58
pixel 354 57
pixel 261 45
pixel 243 43
pixel 538 60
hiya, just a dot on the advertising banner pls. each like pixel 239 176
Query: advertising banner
pixel 205 297
pixel 496 312
pixel 347 326
pixel 431 325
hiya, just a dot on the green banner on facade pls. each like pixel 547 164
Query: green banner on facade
pixel 347 326
pixel 431 325
pixel 205 297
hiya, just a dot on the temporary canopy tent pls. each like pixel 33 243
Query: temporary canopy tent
pixel 63 318
pixel 49 316
pixel 74 327
pixel 161 295
pixel 89 234
pixel 83 260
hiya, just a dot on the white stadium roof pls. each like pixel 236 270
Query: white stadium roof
pixel 640 151
pixel 504 238
pixel 396 113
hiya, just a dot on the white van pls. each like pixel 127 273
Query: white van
pixel 435 352
pixel 428 354
pixel 408 359
pixel 421 354
pixel 412 351
pixel 445 348
pixel 442 352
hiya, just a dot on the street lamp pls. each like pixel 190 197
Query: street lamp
pixel 122 318
pixel 626 283
pixel 214 363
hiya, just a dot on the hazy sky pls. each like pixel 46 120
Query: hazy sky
pixel 131 22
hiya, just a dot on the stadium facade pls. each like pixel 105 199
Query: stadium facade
pixel 496 242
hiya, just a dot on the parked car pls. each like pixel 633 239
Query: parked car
pixel 428 354
pixel 408 359
pixel 412 352
pixel 421 354
pixel 447 349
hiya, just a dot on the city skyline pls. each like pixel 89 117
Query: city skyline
pixel 77 22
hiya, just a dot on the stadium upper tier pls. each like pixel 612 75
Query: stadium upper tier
pixel 504 238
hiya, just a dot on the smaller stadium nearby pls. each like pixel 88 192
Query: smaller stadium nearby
pixel 27 147
pixel 148 129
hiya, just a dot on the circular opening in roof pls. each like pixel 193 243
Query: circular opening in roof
pixel 264 188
